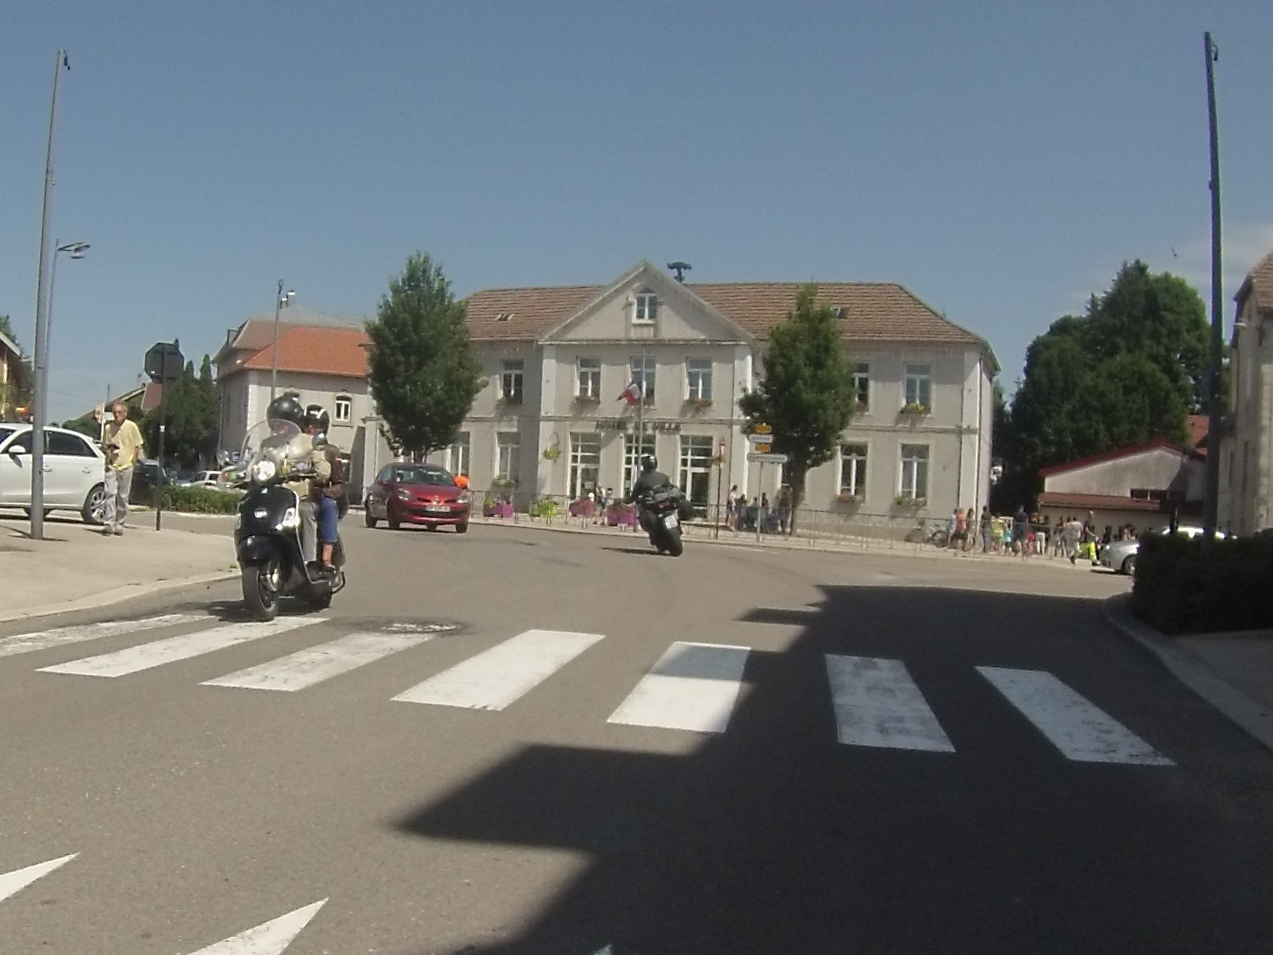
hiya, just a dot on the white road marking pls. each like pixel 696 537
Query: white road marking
pixel 1079 729
pixel 268 938
pixel 693 686
pixel 148 655
pixel 316 664
pixel 61 636
pixel 11 882
pixel 497 677
pixel 878 704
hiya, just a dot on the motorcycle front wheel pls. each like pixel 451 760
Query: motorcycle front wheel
pixel 260 590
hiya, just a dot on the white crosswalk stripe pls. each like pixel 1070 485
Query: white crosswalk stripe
pixel 149 655
pixel 269 938
pixel 316 664
pixel 1078 728
pixel 693 686
pixel 503 674
pixel 19 879
pixel 81 633
pixel 877 704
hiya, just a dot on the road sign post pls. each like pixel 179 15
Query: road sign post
pixel 163 364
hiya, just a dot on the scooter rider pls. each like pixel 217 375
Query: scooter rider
pixel 324 493
pixel 302 452
pixel 650 479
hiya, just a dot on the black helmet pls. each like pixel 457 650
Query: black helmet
pixel 316 417
pixel 649 462
pixel 286 407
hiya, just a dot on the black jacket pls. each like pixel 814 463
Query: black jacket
pixel 648 481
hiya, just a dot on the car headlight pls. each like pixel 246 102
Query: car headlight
pixel 463 498
pixel 263 470
pixel 404 494
pixel 291 518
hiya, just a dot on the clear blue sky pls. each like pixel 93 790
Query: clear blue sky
pixel 1000 159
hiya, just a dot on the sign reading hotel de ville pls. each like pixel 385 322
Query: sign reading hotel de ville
pixel 624 424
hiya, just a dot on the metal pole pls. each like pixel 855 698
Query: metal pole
pixel 278 303
pixel 641 412
pixel 1210 507
pixel 39 397
pixel 163 426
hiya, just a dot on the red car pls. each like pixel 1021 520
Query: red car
pixel 406 493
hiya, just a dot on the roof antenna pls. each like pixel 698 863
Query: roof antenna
pixel 680 268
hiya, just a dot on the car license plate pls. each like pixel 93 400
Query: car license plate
pixel 671 522
pixel 437 509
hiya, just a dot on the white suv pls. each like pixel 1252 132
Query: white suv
pixel 73 471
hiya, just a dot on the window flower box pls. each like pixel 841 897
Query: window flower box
pixel 904 500
pixel 915 408
pixel 698 402
pixel 587 399
pixel 848 497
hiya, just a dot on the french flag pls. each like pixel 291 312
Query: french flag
pixel 631 394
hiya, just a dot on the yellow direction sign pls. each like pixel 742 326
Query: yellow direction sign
pixel 762 429
pixel 761 448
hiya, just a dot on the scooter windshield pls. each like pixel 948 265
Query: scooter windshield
pixel 279 443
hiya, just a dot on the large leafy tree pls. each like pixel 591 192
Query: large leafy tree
pixel 806 394
pixel 192 415
pixel 1131 369
pixel 15 393
pixel 421 369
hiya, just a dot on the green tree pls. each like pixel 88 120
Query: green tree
pixel 421 368
pixel 1128 371
pixel 192 416
pixel 15 392
pixel 806 394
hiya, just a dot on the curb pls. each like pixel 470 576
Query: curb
pixel 1191 670
pixel 117 595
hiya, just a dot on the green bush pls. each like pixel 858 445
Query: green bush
pixel 1179 588
pixel 200 500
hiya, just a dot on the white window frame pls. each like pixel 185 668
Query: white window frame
pixel 585 463
pixel 862 384
pixel 588 379
pixel 698 380
pixel 917 385
pixel 508 456
pixel 851 463
pixel 632 457
pixel 512 380
pixel 695 453
pixel 347 401
pixel 650 373
pixel 912 483
pixel 459 454
pixel 645 308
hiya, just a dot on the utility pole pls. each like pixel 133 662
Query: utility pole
pixel 40 397
pixel 1210 506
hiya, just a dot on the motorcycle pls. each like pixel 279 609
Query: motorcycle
pixel 267 528
pixel 661 511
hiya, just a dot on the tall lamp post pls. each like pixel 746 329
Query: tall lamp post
pixel 280 301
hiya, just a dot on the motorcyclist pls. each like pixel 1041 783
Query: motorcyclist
pixel 650 479
pixel 325 493
pixel 301 453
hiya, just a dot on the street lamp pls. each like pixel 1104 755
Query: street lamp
pixel 40 397
pixel 280 301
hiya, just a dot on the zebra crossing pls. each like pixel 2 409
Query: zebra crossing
pixel 692 687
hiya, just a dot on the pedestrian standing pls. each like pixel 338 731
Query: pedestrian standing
pixel 985 529
pixel 763 515
pixel 731 503
pixel 122 444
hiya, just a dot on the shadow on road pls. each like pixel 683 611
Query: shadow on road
pixel 774 839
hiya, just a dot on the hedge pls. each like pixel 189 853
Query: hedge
pixel 1179 588
pixel 200 500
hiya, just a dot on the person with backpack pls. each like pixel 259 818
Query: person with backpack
pixel 329 497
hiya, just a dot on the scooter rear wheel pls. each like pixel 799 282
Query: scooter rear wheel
pixel 260 594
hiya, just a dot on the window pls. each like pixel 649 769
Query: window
pixel 695 467
pixel 853 470
pixel 457 455
pixel 698 375
pixel 68 444
pixel 510 380
pixel 919 387
pixel 862 385
pixel 588 371
pixel 632 457
pixel 914 485
pixel 585 464
pixel 344 409
pixel 508 464
pixel 642 370
pixel 647 307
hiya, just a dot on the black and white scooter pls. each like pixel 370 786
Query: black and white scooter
pixel 267 529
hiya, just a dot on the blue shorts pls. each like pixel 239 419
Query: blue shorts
pixel 327 518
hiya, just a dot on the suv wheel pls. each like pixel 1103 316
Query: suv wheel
pixel 1129 566
pixel 94 509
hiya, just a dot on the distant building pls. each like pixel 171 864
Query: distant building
pixel 12 377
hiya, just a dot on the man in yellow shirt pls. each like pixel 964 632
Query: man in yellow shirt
pixel 123 446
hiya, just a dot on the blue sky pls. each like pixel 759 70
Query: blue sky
pixel 999 159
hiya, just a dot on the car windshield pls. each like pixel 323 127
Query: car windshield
pixel 423 475
pixel 5 433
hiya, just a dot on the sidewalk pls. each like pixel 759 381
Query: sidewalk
pixel 77 568
pixel 1231 671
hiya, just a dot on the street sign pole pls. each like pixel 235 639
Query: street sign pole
pixel 163 364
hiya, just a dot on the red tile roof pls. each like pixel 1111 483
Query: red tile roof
pixel 1259 280
pixel 311 349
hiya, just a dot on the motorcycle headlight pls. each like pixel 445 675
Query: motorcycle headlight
pixel 291 518
pixel 263 470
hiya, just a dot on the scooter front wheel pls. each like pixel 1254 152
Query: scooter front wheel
pixel 260 590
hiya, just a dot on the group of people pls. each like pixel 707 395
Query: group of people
pixel 758 514
pixel 1027 534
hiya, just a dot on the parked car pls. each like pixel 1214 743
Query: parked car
pixel 1120 556
pixel 205 479
pixel 74 468
pixel 405 493
pixel 145 478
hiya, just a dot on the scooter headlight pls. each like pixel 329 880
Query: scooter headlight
pixel 238 519
pixel 263 470
pixel 290 519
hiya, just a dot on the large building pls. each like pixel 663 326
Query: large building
pixel 553 418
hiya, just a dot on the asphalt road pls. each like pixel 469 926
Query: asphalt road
pixel 1069 797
